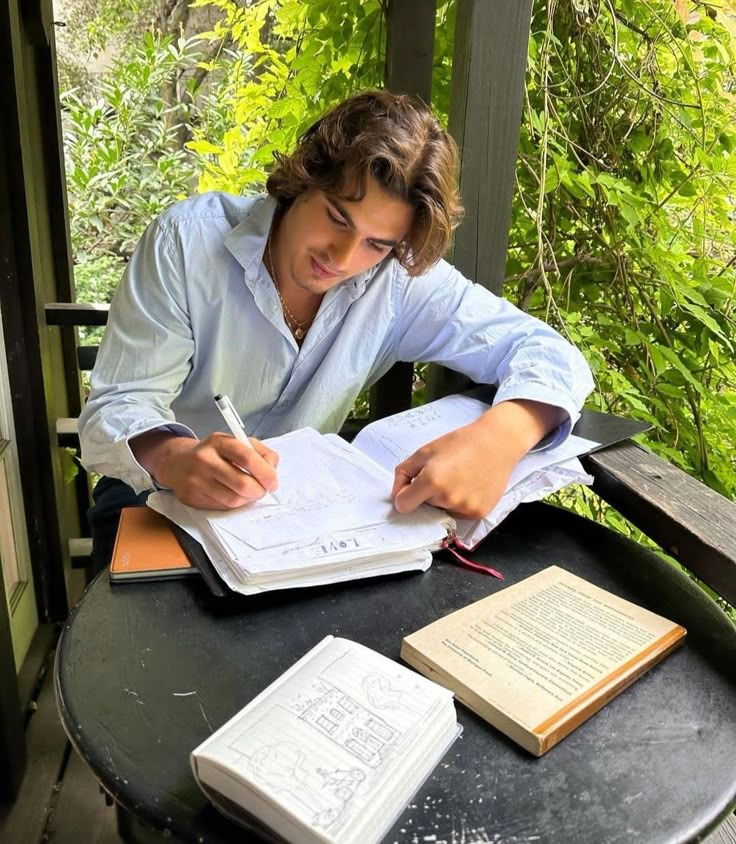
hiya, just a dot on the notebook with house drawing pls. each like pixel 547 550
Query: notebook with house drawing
pixel 334 519
pixel 332 751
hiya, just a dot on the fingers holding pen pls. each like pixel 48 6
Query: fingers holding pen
pixel 258 461
pixel 247 454
pixel 217 473
pixel 268 454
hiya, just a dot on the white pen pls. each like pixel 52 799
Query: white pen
pixel 235 424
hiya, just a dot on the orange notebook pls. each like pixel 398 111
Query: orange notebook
pixel 146 548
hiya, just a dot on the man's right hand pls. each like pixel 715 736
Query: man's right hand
pixel 208 473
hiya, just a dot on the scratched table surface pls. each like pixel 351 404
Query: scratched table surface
pixel 145 671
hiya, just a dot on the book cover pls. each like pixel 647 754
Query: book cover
pixel 540 657
pixel 146 548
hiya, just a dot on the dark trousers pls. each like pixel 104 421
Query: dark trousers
pixel 110 495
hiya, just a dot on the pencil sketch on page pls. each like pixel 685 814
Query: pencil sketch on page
pixel 321 742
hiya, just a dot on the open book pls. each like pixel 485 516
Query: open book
pixel 540 657
pixel 332 751
pixel 335 520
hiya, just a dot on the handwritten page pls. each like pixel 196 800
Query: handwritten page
pixel 389 441
pixel 317 484
pixel 334 521
pixel 331 742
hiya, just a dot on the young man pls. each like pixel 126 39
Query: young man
pixel 291 304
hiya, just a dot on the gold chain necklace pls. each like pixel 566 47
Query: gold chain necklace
pixel 298 328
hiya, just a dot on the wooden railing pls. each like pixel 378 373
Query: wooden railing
pixel 690 521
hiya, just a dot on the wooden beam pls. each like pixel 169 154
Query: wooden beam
pixel 12 739
pixel 690 521
pixel 488 74
pixel 410 28
pixel 76 313
pixel 409 51
pixel 34 271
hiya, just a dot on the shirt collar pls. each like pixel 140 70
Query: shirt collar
pixel 247 243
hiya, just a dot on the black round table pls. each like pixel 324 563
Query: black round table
pixel 145 671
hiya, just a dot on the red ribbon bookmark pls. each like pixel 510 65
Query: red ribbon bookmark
pixel 464 561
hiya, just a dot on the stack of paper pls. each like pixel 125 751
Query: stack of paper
pixel 334 519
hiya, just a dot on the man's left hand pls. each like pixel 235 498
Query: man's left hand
pixel 466 471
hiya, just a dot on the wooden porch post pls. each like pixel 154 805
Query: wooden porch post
pixel 12 737
pixel 488 72
pixel 35 253
pixel 409 52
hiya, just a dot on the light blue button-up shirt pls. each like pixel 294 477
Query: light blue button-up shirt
pixel 197 314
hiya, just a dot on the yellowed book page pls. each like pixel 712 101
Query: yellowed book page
pixel 540 650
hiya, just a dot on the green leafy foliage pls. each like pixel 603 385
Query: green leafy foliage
pixel 124 155
pixel 294 60
pixel 624 214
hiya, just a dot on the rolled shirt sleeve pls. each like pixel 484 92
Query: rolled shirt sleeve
pixel 142 362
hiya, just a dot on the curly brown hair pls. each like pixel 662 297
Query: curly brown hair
pixel 399 142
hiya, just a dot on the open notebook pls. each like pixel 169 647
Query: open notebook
pixel 330 752
pixel 335 520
